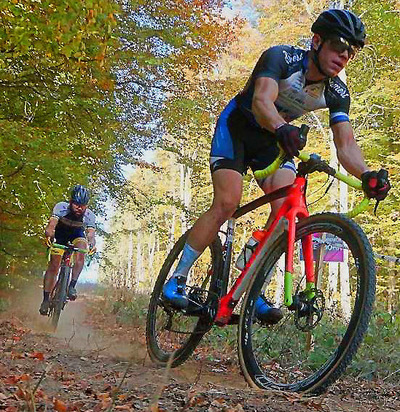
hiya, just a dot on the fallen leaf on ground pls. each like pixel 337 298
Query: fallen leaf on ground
pixel 59 406
pixel 37 355
pixel 21 394
pixel 13 379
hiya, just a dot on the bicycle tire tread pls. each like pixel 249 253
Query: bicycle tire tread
pixel 186 351
pixel 363 309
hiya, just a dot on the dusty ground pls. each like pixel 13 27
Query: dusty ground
pixel 85 367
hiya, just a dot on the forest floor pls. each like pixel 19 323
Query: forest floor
pixel 93 364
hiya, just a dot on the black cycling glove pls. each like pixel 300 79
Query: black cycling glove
pixel 376 184
pixel 290 139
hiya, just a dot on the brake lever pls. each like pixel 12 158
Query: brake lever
pixel 376 206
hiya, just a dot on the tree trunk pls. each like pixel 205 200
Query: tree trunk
pixel 151 272
pixel 171 236
pixel 139 263
pixel 185 194
pixel 130 258
pixel 333 266
pixel 280 278
pixel 391 287
pixel 344 266
pixel 182 195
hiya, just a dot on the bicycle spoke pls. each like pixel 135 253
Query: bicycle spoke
pixel 306 344
pixel 171 331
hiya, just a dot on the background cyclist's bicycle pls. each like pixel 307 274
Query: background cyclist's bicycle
pixel 59 294
pixel 310 347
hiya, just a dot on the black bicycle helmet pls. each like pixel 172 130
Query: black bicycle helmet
pixel 80 195
pixel 342 23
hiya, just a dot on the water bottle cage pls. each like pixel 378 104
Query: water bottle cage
pixel 252 248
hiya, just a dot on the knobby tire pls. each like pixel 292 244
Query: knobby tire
pixel 261 369
pixel 180 354
pixel 60 296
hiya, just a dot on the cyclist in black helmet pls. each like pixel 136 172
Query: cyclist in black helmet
pixel 286 83
pixel 70 222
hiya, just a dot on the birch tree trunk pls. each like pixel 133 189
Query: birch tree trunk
pixel 182 195
pixel 187 195
pixel 280 277
pixel 130 257
pixel 391 287
pixel 334 197
pixel 343 208
pixel 151 273
pixel 171 235
pixel 139 263
pixel 344 266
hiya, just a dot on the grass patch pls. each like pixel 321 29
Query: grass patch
pixel 128 307
pixel 379 355
pixel 3 305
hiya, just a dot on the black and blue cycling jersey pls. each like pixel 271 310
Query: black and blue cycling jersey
pixel 239 141
pixel 71 226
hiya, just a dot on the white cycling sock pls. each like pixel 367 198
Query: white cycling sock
pixel 189 256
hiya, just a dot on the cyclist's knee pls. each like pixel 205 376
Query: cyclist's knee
pixel 52 270
pixel 280 178
pixel 224 208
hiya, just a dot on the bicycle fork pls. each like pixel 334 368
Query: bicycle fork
pixel 294 207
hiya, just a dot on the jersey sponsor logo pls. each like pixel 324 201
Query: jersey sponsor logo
pixel 341 91
pixel 292 58
pixel 314 91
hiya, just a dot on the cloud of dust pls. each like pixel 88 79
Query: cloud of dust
pixel 74 331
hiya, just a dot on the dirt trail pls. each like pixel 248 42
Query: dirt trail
pixel 83 368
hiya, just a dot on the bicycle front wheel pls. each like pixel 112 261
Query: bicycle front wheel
pixel 172 335
pixel 313 343
pixel 59 296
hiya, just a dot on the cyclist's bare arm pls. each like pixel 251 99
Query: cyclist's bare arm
pixel 91 236
pixel 51 227
pixel 348 152
pixel 263 107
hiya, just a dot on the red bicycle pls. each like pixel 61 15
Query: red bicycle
pixel 295 265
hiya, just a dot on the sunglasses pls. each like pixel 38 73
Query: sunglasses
pixel 79 205
pixel 340 45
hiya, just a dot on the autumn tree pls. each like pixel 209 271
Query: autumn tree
pixel 56 129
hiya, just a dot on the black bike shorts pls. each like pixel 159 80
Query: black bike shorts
pixel 238 145
pixel 65 234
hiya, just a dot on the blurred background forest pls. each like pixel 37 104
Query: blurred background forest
pixel 88 86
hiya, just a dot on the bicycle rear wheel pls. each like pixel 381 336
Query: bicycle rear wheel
pixel 172 332
pixel 312 345
pixel 59 296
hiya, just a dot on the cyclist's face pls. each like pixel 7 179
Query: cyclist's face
pixel 78 209
pixel 341 45
pixel 334 55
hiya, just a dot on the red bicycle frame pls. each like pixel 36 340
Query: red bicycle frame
pixel 293 208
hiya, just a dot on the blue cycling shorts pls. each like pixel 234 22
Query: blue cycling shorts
pixel 238 144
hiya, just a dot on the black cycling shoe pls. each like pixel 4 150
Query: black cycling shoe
pixel 72 295
pixel 44 308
